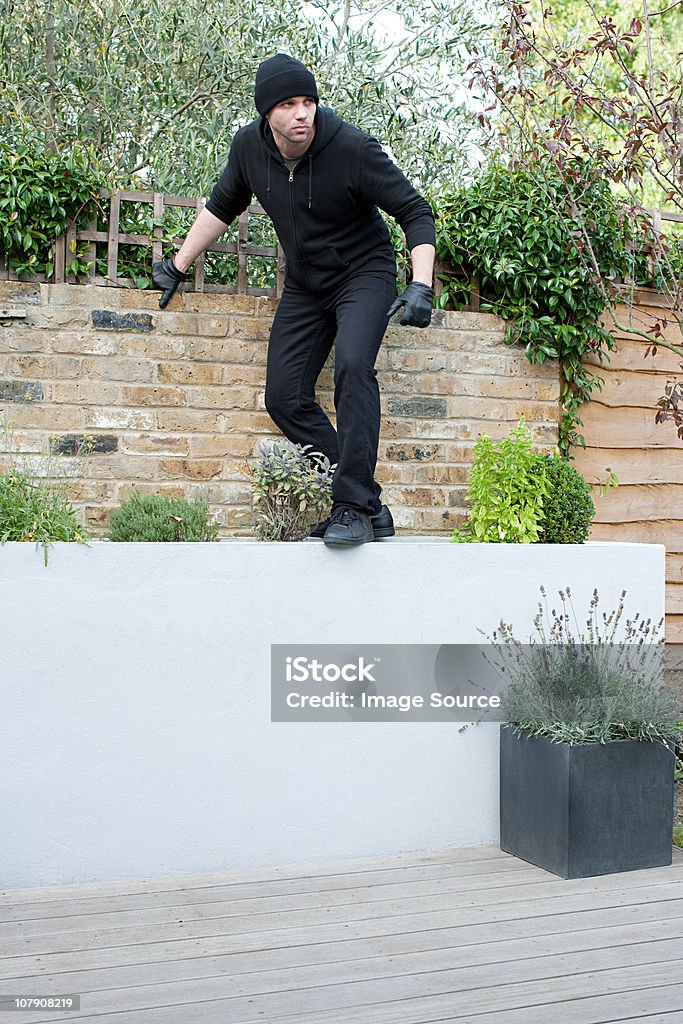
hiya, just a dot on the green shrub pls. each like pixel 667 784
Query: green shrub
pixel 153 517
pixel 35 510
pixel 520 496
pixel 291 490
pixel 40 194
pixel 514 231
pixel 506 491
pixel 568 508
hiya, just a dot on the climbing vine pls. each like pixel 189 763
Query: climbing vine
pixel 543 250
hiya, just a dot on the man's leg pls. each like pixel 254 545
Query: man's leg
pixel 300 342
pixel 361 307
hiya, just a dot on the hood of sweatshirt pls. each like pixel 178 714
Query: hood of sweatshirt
pixel 327 124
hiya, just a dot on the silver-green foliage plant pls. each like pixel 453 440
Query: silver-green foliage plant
pixel 291 490
pixel 587 682
pixel 157 518
pixel 506 490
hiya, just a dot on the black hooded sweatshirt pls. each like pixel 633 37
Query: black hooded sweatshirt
pixel 325 211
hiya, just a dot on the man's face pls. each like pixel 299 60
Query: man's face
pixel 292 121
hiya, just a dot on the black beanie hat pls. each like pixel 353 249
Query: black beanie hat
pixel 280 77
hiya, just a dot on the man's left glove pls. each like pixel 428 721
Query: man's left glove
pixel 167 277
pixel 417 301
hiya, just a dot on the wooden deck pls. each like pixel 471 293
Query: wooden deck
pixel 470 936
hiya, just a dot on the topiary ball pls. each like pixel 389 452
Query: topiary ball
pixel 568 508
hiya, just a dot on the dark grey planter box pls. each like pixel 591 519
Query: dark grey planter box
pixel 586 809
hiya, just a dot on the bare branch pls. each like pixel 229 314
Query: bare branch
pixel 656 14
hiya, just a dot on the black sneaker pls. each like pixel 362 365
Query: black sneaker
pixel 348 527
pixel 382 525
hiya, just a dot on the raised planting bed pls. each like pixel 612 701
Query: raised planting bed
pixel 137 737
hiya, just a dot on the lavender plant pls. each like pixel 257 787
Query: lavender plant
pixel 291 490
pixel 587 682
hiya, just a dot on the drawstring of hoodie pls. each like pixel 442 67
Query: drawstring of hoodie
pixel 268 183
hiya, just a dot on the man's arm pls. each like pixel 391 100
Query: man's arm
pixel 203 233
pixel 167 274
pixel 384 185
pixel 422 262
pixel 229 198
pixel 418 298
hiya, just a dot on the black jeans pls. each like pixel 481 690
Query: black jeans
pixel 304 329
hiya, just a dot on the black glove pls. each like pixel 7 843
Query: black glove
pixel 167 277
pixel 418 300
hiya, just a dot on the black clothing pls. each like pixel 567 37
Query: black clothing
pixel 340 280
pixel 348 527
pixel 166 277
pixel 279 78
pixel 325 212
pixel 303 332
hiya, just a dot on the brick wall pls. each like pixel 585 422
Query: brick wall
pixel 174 399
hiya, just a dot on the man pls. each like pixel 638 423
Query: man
pixel 321 180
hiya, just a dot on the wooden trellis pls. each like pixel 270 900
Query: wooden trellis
pixel 114 238
pixel 242 248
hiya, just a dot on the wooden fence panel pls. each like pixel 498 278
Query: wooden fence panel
pixel 113 241
pixel 621 436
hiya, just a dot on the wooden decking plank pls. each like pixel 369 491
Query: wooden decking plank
pixel 438 876
pixel 257 904
pixel 513 959
pixel 314 869
pixel 405 944
pixel 563 897
pixel 494 998
pixel 529 884
pixel 501 985
pixel 656 1018
pixel 10 910
pixel 536 1002
pixel 338 942
pixel 611 1009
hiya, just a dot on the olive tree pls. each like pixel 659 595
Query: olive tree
pixel 158 89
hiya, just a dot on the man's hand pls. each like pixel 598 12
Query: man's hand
pixel 167 277
pixel 417 301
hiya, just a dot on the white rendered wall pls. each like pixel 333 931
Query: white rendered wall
pixel 135 730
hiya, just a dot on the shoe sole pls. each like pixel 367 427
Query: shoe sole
pixel 347 543
pixel 386 531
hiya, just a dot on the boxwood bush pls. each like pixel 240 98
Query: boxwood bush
pixel 568 508
pixel 520 496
